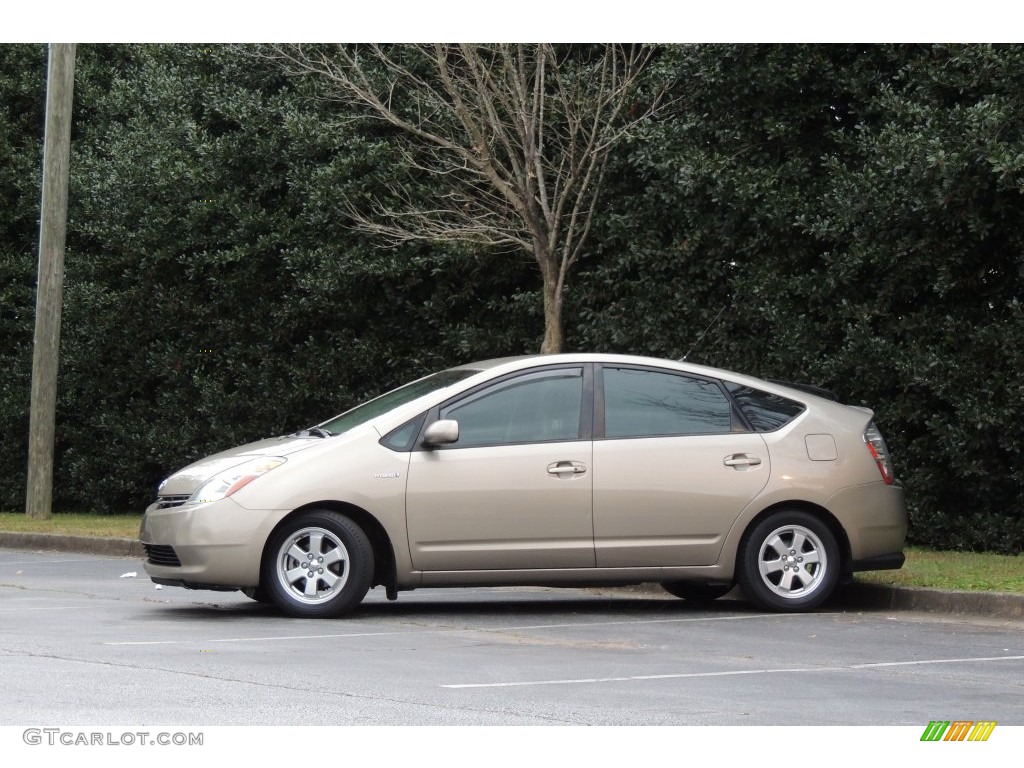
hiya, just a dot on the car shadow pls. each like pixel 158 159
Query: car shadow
pixel 628 603
pixel 467 606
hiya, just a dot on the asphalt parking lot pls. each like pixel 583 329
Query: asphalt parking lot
pixel 82 641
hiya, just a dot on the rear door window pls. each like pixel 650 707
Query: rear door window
pixel 646 403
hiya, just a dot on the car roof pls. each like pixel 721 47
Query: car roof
pixel 526 361
pixel 801 393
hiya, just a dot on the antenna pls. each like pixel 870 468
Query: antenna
pixel 705 332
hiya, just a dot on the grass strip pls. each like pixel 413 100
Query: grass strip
pixel 970 571
pixel 105 526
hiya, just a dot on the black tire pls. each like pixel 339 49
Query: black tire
pixel 330 584
pixel 789 562
pixel 695 592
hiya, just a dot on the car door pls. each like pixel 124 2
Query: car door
pixel 673 468
pixel 514 492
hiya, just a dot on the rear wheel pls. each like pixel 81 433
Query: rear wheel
pixel 695 592
pixel 319 564
pixel 789 562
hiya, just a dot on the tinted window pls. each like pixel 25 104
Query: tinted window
pixel 401 439
pixel 642 403
pixel 765 412
pixel 536 407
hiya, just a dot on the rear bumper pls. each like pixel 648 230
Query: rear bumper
pixel 890 562
pixel 874 517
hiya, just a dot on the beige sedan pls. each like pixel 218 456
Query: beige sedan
pixel 546 470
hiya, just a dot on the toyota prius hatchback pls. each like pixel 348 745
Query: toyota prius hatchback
pixel 545 470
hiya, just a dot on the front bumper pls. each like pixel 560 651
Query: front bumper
pixel 219 545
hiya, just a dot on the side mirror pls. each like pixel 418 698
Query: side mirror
pixel 443 432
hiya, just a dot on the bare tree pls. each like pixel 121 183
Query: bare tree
pixel 514 138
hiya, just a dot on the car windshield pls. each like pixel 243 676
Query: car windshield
pixel 393 399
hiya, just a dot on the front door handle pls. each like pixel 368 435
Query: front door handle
pixel 566 468
pixel 741 460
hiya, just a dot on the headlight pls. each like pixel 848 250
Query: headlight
pixel 225 483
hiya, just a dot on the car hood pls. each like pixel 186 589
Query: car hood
pixel 187 481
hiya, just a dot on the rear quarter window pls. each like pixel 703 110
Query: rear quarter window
pixel 765 412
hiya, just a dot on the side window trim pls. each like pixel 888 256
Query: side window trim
pixel 586 429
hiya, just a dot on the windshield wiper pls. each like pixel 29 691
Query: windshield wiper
pixel 314 431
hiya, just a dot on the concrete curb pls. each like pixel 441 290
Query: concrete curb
pixel 857 596
pixel 87 545
pixel 996 605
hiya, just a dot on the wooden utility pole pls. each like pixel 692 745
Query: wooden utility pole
pixel 60 80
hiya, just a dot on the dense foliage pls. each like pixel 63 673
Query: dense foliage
pixel 851 215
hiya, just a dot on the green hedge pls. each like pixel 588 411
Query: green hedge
pixel 854 214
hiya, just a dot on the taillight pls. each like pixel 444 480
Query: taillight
pixel 879 452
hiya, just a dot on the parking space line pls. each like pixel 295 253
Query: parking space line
pixel 447 630
pixel 732 673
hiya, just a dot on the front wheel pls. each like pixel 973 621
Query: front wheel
pixel 319 564
pixel 789 562
pixel 259 594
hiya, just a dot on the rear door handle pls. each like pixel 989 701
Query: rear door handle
pixel 741 460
